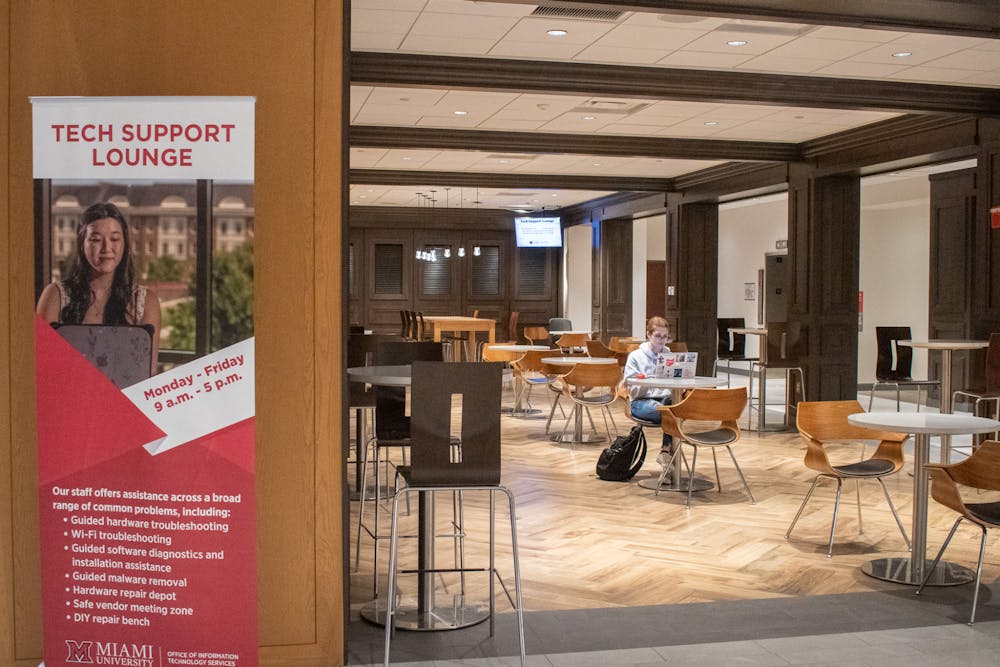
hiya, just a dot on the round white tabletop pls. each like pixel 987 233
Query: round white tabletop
pixel 910 570
pixel 572 361
pixel 574 331
pixel 383 376
pixel 943 344
pixel 677 383
pixel 520 348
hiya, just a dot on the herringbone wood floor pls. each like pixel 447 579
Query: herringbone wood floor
pixel 586 543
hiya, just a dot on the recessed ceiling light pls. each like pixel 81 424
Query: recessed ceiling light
pixel 588 117
pixel 711 122
pixel 461 113
pixel 555 195
pixel 902 54
pixel 407 158
pixel 556 33
pixel 597 164
pixel 504 161
pixel 737 42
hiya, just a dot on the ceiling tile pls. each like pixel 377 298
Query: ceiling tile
pixel 675 21
pixel 629 129
pixel 969 59
pixel 409 97
pixel 406 158
pixel 616 54
pixel 478 8
pixel 704 59
pixel 531 106
pixel 448 25
pixel 820 49
pixel 380 20
pixel 509 124
pixel 375 41
pixel 464 122
pixel 385 115
pixel 846 68
pixel 715 42
pixel 855 34
pixel 983 79
pixel 549 50
pixel 357 98
pixel 396 5
pixel 920 48
pixel 659 37
pixel 582 33
pixel 457 46
pixel 770 63
pixel 366 158
pixel 574 122
pixel 929 74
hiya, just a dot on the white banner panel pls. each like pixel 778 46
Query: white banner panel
pixel 143 137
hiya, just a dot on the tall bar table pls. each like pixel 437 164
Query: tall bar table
pixel 910 570
pixel 427 615
pixel 761 380
pixel 946 347
pixel 677 387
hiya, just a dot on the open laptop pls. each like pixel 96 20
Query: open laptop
pixel 676 365
pixel 122 353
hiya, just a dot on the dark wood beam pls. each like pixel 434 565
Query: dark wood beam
pixel 576 144
pixel 664 83
pixel 976 18
pixel 506 180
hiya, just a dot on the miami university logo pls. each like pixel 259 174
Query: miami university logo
pixel 79 652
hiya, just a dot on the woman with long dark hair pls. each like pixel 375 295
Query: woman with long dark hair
pixel 100 287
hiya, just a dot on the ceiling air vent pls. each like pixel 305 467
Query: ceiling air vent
pixel 577 13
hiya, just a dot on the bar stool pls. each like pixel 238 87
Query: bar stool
pixel 435 467
pixel 784 346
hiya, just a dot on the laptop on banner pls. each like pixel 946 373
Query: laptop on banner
pixel 122 353
pixel 676 365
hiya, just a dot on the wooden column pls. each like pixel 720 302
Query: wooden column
pixel 693 277
pixel 823 248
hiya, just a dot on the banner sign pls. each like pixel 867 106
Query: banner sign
pixel 134 138
pixel 146 493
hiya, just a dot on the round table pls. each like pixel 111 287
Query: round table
pixel 677 387
pixel 577 436
pixel 427 615
pixel 946 347
pixel 512 352
pixel 910 570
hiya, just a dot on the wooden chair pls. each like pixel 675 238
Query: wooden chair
pixel 435 468
pixel 677 346
pixel 529 371
pixel 573 342
pixel 596 348
pixel 823 422
pixel 981 471
pixel 686 423
pixel 489 355
pixel 536 335
pixel 582 379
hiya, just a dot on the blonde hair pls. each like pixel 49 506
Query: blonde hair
pixel 656 322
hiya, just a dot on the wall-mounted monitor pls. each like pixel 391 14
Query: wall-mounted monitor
pixel 538 232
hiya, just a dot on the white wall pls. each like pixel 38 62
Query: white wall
pixel 576 270
pixel 747 230
pixel 895 265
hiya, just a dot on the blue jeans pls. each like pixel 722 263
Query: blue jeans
pixel 645 408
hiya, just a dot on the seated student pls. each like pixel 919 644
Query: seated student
pixel 642 362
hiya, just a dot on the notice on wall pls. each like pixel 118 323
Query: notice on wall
pixel 147 510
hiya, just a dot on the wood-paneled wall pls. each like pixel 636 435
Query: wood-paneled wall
pixel 292 62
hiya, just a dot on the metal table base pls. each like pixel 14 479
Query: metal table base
pixel 461 614
pixel 899 570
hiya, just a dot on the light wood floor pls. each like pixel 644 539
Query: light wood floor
pixel 586 543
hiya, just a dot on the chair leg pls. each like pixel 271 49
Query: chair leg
pixel 805 500
pixel 493 565
pixel 979 576
pixel 871 396
pixel 937 559
pixel 753 501
pixel 390 612
pixel 857 491
pixel 517 573
pixel 694 464
pixel 361 507
pixel 833 525
pixel 718 480
pixel 895 515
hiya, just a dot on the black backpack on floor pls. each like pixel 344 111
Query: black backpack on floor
pixel 622 460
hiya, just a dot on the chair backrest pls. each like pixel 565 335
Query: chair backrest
pixel 355 329
pixel 981 470
pixel 531 361
pixel 596 348
pixel 893 362
pixel 536 335
pixel 731 344
pixel 489 354
pixel 560 324
pixel 572 340
pixel 723 405
pixel 404 324
pixel 785 344
pixel 595 375
pixel 678 346
pixel 826 421
pixel 432 390
pixel 391 422
pixel 361 352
